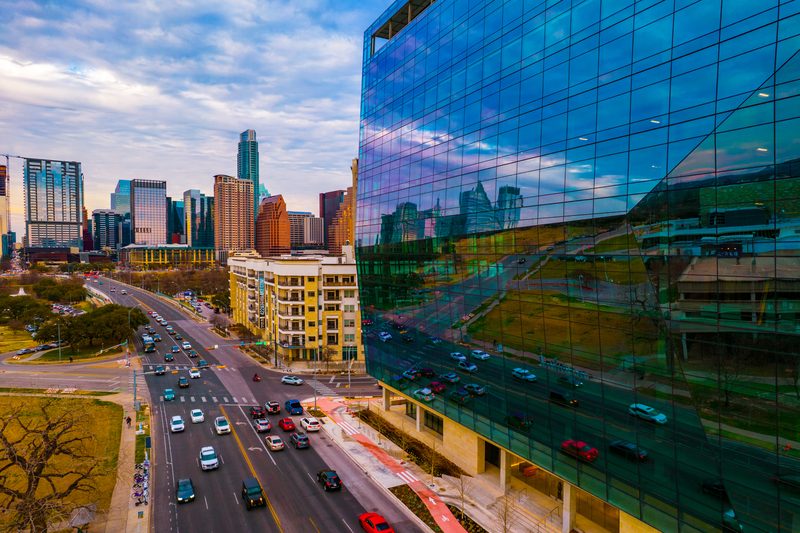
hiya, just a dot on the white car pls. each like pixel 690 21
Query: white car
pixel 274 442
pixel 194 373
pixel 385 336
pixel 466 365
pixel 524 375
pixel 645 412
pixel 186 346
pixel 221 425
pixel 455 356
pixel 177 424
pixel 425 395
pixel 197 416
pixel 480 354
pixel 310 424
pixel 291 380
pixel 208 458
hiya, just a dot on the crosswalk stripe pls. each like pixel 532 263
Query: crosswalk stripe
pixel 162 398
pixel 203 398
pixel 253 400
pixel 235 400
pixel 191 398
pixel 214 398
pixel 350 430
pixel 407 476
pixel 183 398
pixel 244 400
pixel 225 399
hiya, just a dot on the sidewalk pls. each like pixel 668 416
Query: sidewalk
pixel 380 462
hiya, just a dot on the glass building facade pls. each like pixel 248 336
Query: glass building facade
pixel 602 193
pixel 53 204
pixel 198 212
pixel 148 212
pixel 121 203
pixel 247 164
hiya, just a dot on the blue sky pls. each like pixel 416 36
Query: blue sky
pixel 160 89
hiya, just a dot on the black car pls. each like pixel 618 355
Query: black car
pixel 628 450
pixel 519 421
pixel 329 479
pixel 715 487
pixel 258 412
pixel 300 440
pixel 169 357
pixel 406 337
pixel 252 494
pixel 427 372
pixel 185 490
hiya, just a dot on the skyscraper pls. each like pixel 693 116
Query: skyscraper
pixel 313 231
pixel 234 222
pixel 248 163
pixel 198 212
pixel 107 230
pixel 121 203
pixel 5 225
pixel 329 203
pixel 53 203
pixel 148 203
pixel 176 234
pixel 598 204
pixel 296 231
pixel 272 228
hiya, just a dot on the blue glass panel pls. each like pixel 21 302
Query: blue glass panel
pixel 696 20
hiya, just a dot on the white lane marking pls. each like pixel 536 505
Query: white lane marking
pixel 235 400
pixel 203 398
pixel 225 399
pixel 206 499
pixel 348 527
pixel 191 398
pixel 332 378
pixel 235 498
pixel 214 398
pixel 258 437
pixel 183 398
pixel 254 401
pixel 162 398
pixel 244 400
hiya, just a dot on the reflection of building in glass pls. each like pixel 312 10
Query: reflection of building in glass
pixel 329 203
pixel 53 203
pixel 608 198
pixel 148 201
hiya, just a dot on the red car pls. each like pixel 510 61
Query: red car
pixel 374 523
pixel 286 424
pixel 579 449
pixel 435 386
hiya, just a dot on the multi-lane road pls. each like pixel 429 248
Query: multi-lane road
pixel 297 503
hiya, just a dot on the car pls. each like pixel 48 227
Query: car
pixel 374 523
pixel 272 407
pixel 257 412
pixel 192 354
pixel 152 313
pixel 184 491
pixel 310 424
pixel 208 458
pixel 194 373
pixel 480 355
pixel 367 322
pixel 424 395
pixel 460 396
pixel 159 370
pixel 570 381
pixel 475 389
pixel 151 330
pixel 168 357
pixel 300 440
pixel 291 380
pixel 563 397
pixel 434 341
pixel 579 450
pixel 124 291
pixel 42 347
pixel 26 351
pixel 202 363
pixel 156 338
pixel 406 337
pixel 469 367
pixel 186 346
pixel 399 327
pixel 183 382
pixel 171 331
pixel 176 349
pixel 521 260
pixel 261 425
pixel 524 375
pixel 221 425
pixel 628 450
pixel 113 289
pixel 427 372
pixel 293 407
pixel 412 374
pixel 437 387
pixel 178 337
pixel 197 416
pixel 456 356
pixel 252 494
pixel 329 479
pixel 176 424
pixel 645 412
pixel 286 424
pixel 519 421
pixel 385 336
pixel 450 378
pixel 169 395
pixel 274 443
pixel 163 322
pixel 715 487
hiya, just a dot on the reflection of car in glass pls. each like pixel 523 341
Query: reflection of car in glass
pixel 563 397
pixel 184 490
pixel 580 450
pixel 715 487
pixel 460 396
pixel 300 440
pixel 450 378
pixel 645 412
pixel 475 389
pixel 208 458
pixel 291 380
pixel 274 442
pixel 570 381
pixel 435 386
pixel 469 367
pixel 398 383
pixel 628 450
pixel 427 372
pixel 424 395
pixel 412 374
pixel 434 341
pixel 524 375
pixel 406 337
pixel 480 355
pixel 384 336
pixel 519 421
pixel 456 356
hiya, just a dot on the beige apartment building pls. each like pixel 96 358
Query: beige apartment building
pixel 233 215
pixel 302 304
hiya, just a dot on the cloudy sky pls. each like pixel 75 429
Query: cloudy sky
pixel 161 89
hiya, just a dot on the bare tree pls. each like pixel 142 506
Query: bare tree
pixel 506 514
pixel 732 363
pixel 464 489
pixel 326 355
pixel 47 461
pixel 649 322
pixel 403 441
pixel 218 322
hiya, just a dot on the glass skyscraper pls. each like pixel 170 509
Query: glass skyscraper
pixel 247 163
pixel 198 210
pixel 53 204
pixel 148 212
pixel 600 194
pixel 121 203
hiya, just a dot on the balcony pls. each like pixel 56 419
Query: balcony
pixel 291 313
pixel 291 299
pixel 251 297
pixel 287 282
pixel 291 342
pixel 353 284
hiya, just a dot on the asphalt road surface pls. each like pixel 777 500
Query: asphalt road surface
pixel 296 501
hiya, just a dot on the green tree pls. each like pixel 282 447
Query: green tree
pixel 222 299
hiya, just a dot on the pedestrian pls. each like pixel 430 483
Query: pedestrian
pixel 128 420
pixel 70 358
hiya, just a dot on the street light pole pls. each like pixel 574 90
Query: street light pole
pixel 315 379
pixel 59 342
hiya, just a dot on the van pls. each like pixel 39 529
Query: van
pixel 563 397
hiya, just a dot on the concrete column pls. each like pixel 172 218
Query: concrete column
pixel 505 471
pixel 420 418
pixel 569 511
pixel 387 401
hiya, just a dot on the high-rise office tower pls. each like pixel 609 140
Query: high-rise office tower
pixel 313 231
pixel 107 230
pixel 296 219
pixel 234 222
pixel 329 203
pixel 176 234
pixel 53 203
pixel 247 160
pixel 121 203
pixel 606 221
pixel 262 193
pixel 198 212
pixel 272 228
pixel 148 201
pixel 342 228
pixel 5 225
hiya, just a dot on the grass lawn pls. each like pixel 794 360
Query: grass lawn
pixel 142 417
pixel 51 356
pixel 11 341
pixel 40 391
pixel 102 420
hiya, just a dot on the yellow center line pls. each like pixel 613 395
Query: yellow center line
pixel 253 471
pixel 313 524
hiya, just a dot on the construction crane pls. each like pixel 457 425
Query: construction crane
pixel 8 190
